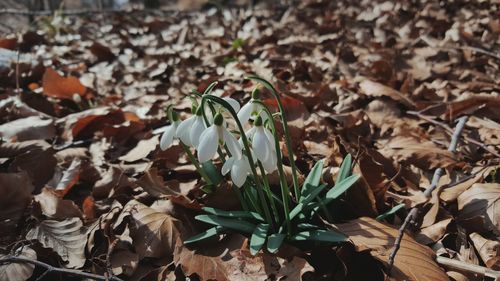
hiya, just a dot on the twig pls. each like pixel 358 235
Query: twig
pixel 49 268
pixel 412 216
pixel 428 41
pixel 450 130
pixel 456 264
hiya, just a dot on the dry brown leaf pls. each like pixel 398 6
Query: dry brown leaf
pixel 488 130
pixel 375 89
pixel 55 207
pixel 141 150
pixel 18 271
pixel 16 189
pixel 451 194
pixel 57 86
pixel 38 163
pixel 489 250
pixel 123 259
pixel 423 154
pixel 154 233
pixel 67 238
pixel 29 128
pixel 481 202
pixel 431 234
pixel 413 261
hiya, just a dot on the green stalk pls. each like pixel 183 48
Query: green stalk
pixel 240 197
pixel 286 132
pixel 196 163
pixel 285 192
pixel 267 188
pixel 245 145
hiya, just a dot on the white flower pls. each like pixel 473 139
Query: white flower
pixel 263 146
pixel 240 168
pixel 250 109
pixel 212 136
pixel 168 135
pixel 189 131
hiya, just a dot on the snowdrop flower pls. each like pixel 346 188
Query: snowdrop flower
pixel 189 130
pixel 251 108
pixel 240 168
pixel 170 133
pixel 212 136
pixel 263 145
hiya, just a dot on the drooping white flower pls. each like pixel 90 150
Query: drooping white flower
pixel 263 145
pixel 240 168
pixel 189 130
pixel 249 110
pixel 215 135
pixel 169 134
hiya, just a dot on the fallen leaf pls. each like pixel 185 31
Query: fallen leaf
pixel 57 86
pixel 375 89
pixel 55 207
pixel 16 189
pixel 141 150
pixel 489 250
pixel 431 234
pixel 29 128
pixel 481 202
pixel 413 261
pixel 67 238
pixel 38 163
pixel 13 271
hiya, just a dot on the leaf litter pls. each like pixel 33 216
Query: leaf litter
pixel 83 178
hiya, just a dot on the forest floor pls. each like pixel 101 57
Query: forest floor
pixel 84 185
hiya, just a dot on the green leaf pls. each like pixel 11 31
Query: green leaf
pixel 234 214
pixel 205 234
pixel 320 235
pixel 212 172
pixel 274 242
pixel 236 224
pixel 312 180
pixel 340 188
pixel 238 42
pixel 345 168
pixel 210 87
pixel 264 82
pixel 295 211
pixel 392 211
pixel 258 238
pixel 208 188
pixel 307 226
pixel 312 194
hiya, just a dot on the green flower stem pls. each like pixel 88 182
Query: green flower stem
pixel 286 132
pixel 247 148
pixel 207 91
pixel 196 163
pixel 267 188
pixel 285 192
pixel 237 191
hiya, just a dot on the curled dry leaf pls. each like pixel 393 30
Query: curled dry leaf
pixel 29 128
pixel 55 207
pixel 489 250
pixel 57 86
pixel 413 261
pixel 67 238
pixel 374 89
pixel 154 234
pixel 18 271
pixel 431 234
pixel 480 203
pixel 141 150
pixel 16 189
pixel 38 163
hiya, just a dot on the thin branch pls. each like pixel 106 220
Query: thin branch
pixel 450 130
pixel 49 268
pixel 412 216
pixel 456 264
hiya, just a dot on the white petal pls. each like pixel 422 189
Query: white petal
pixel 232 144
pixel 245 112
pixel 196 129
pixel 270 138
pixel 234 104
pixel 183 130
pixel 251 132
pixel 227 165
pixel 260 145
pixel 208 144
pixel 239 173
pixel 168 137
pixel 271 164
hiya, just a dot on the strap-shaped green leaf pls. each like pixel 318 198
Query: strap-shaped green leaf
pixel 315 192
pixel 212 172
pixel 274 242
pixel 340 188
pixel 234 214
pixel 392 211
pixel 312 180
pixel 236 224
pixel 258 238
pixel 307 226
pixel 345 168
pixel 205 234
pixel 320 235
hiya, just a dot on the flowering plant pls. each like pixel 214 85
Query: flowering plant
pixel 265 216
